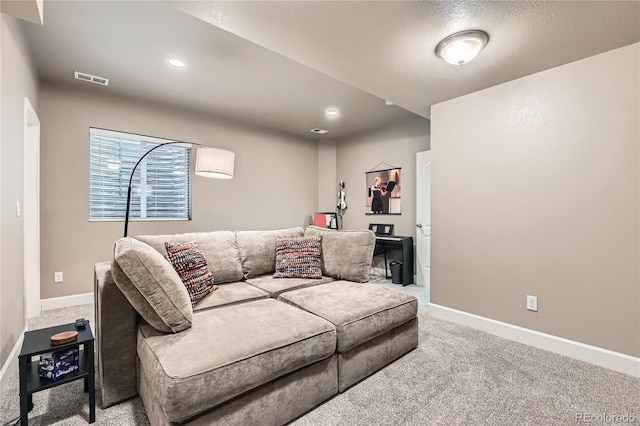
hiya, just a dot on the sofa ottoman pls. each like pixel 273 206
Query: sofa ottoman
pixel 246 345
pixel 375 325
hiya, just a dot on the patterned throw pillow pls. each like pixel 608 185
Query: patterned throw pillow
pixel 191 266
pixel 298 257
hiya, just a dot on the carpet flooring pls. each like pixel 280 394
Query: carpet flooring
pixel 457 375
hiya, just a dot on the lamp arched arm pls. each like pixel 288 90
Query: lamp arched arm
pixel 126 215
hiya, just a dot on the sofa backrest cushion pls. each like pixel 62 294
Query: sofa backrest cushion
pixel 258 249
pixel 219 249
pixel 346 255
pixel 151 285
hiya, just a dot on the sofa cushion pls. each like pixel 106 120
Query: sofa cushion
pixel 219 249
pixel 275 286
pixel 191 266
pixel 230 294
pixel 246 345
pixel 360 312
pixel 151 285
pixel 258 249
pixel 298 257
pixel 346 255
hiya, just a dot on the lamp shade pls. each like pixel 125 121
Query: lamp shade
pixel 214 163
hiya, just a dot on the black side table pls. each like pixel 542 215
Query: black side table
pixel 38 342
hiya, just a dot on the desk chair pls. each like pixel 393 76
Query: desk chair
pixel 379 249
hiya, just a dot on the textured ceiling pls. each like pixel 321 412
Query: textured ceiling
pixel 387 47
pixel 128 42
pixel 281 64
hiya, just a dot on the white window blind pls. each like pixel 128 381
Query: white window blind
pixel 161 186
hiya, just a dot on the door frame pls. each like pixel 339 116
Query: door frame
pixel 31 211
pixel 423 223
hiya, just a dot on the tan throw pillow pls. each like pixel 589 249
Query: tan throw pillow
pixel 151 285
pixel 298 258
pixel 191 266
pixel 346 255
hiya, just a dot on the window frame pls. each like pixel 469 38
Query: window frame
pixel 134 137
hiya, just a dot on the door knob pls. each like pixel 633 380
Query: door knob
pixel 419 225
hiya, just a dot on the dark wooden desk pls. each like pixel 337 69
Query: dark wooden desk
pixel 38 342
pixel 406 245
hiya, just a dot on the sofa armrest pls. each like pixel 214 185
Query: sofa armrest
pixel 116 333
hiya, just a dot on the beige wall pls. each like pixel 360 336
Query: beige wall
pixel 18 81
pixel 397 146
pixel 327 183
pixel 535 191
pixel 275 183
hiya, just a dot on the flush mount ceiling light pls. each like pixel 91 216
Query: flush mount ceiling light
pixel 333 112
pixel 178 63
pixel 460 48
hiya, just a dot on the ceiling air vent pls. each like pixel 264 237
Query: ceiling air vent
pixel 91 78
pixel 319 131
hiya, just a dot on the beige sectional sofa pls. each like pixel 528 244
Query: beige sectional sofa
pixel 258 350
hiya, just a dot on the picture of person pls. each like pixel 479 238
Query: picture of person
pixel 377 192
pixel 383 192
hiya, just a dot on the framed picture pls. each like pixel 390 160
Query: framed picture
pixel 383 192
pixel 327 220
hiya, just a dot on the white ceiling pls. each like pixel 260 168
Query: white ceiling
pixel 29 10
pixel 128 42
pixel 281 64
pixel 387 47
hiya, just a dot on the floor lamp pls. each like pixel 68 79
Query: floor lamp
pixel 213 163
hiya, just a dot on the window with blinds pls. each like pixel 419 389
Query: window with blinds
pixel 161 186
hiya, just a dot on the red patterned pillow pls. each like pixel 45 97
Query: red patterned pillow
pixel 191 266
pixel 298 257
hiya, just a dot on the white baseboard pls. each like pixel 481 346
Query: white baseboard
pixel 592 354
pixel 13 359
pixel 64 301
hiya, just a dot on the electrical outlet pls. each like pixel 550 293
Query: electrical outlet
pixel 532 303
pixel 58 277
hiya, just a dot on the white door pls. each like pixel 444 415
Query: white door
pixel 31 210
pixel 423 219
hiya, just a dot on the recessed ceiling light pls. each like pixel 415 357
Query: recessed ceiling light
pixel 332 112
pixel 460 48
pixel 388 103
pixel 178 63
